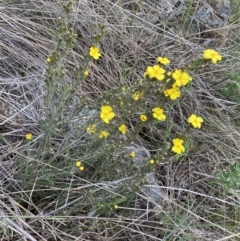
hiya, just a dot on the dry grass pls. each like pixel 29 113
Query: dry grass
pixel 196 206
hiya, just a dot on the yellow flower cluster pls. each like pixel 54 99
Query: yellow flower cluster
pixel 91 129
pixel 172 81
pixel 79 166
pixel 104 134
pixel 180 77
pixel 196 122
pixel 137 95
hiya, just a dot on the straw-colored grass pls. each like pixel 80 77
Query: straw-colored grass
pixel 44 198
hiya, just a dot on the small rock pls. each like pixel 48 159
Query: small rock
pixel 209 21
pixel 142 155
pixel 153 193
pixel 151 196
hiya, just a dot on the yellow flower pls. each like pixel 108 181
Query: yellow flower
pixel 123 88
pixel 178 146
pixel 155 71
pixel 132 154
pixel 94 52
pixel 78 164
pixel 143 118
pixel 173 93
pixel 137 95
pixel 107 113
pixel 104 134
pixel 163 60
pixel 158 113
pixel 151 161
pixel 212 55
pixel 196 121
pixel 29 136
pixel 181 78
pixel 86 72
pixel 169 73
pixel 48 59
pixel 123 128
pixel 91 128
pixel 116 206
